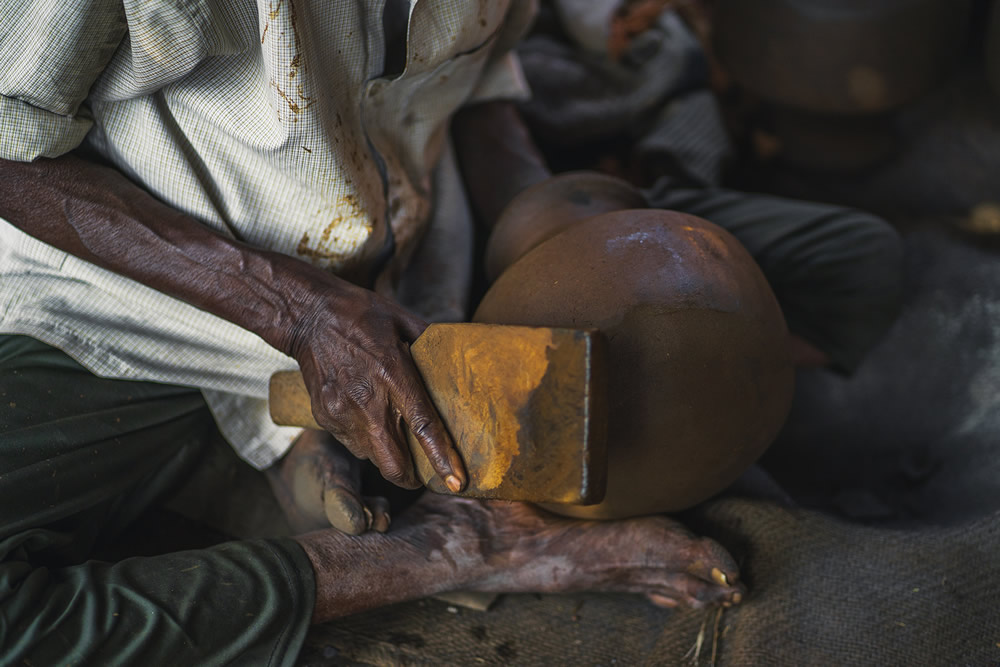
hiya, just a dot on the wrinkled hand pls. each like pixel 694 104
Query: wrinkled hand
pixel 353 347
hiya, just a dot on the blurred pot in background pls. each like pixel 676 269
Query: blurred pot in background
pixel 833 70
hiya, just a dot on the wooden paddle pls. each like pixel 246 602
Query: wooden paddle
pixel 526 407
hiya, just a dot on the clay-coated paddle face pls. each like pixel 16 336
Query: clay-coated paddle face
pixel 699 375
pixel 525 406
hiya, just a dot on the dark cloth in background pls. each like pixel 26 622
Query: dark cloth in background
pixel 653 103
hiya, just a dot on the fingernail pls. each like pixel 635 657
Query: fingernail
pixel 719 577
pixel 737 598
pixel 369 519
pixel 453 483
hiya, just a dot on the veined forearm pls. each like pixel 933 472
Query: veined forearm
pixel 351 344
pixel 98 215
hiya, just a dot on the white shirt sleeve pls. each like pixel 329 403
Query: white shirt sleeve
pixel 52 52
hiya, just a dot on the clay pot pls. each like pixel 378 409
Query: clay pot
pixel 839 56
pixel 547 208
pixel 833 71
pixel 700 379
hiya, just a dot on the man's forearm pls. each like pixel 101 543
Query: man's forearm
pixel 98 215
pixel 351 344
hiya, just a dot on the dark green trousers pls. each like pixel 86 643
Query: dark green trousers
pixel 81 457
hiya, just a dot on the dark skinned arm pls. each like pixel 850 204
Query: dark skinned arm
pixel 351 344
pixel 491 139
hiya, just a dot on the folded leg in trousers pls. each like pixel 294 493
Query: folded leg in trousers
pixel 81 457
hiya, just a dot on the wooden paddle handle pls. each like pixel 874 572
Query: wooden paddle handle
pixel 289 401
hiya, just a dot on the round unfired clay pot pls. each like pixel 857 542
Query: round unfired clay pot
pixel 700 378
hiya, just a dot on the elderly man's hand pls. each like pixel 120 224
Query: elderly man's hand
pixel 353 348
pixel 352 345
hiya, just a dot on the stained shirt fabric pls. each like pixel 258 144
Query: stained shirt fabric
pixel 275 122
